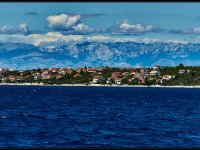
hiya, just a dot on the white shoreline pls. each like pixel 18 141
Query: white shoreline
pixel 98 85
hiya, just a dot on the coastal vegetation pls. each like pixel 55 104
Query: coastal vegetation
pixel 156 75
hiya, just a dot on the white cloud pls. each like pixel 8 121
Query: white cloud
pixel 126 28
pixel 69 24
pixel 81 27
pixel 62 21
pixel 195 30
pixel 100 38
pixel 16 38
pixel 37 39
pixel 21 29
pixel 149 40
pixel 54 37
pixel 135 27
pixel 24 27
pixel 57 38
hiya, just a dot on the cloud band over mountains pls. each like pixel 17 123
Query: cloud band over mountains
pixel 71 28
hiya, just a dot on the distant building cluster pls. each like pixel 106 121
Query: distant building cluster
pixel 90 75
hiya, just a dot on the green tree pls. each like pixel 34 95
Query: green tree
pixel 181 66
pixel 134 81
pixel 149 82
pixel 26 72
pixel 124 81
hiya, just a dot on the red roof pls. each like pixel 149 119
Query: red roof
pixel 54 69
pixel 12 76
pixel 58 76
pixel 116 74
pixel 77 75
pixel 97 77
pixel 135 69
pixel 118 78
pixel 91 69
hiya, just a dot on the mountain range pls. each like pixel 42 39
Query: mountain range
pixel 95 54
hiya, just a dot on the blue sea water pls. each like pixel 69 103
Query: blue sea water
pixel 81 117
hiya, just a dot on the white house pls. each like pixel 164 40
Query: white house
pixel 154 72
pixel 3 70
pixel 125 73
pixel 118 80
pixel 20 78
pixel 108 81
pixel 181 71
pixel 156 67
pixel 48 76
pixel 91 70
pixel 144 70
pixel 12 78
pixel 5 79
pixel 45 72
pixel 98 78
pixel 167 77
pixel 37 76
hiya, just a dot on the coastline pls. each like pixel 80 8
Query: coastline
pixel 97 85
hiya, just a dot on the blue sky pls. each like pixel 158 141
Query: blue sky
pixel 155 21
pixel 49 25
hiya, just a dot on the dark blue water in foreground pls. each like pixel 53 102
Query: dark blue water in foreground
pixel 36 116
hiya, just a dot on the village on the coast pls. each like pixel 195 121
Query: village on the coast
pixel 155 75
